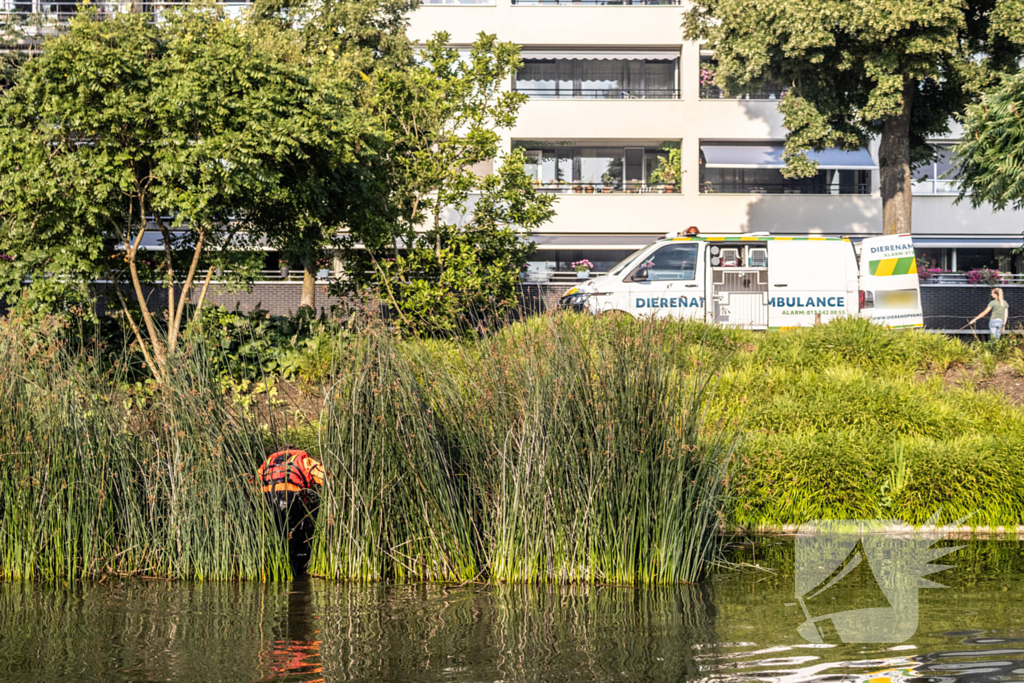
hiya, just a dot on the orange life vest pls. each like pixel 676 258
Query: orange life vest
pixel 290 470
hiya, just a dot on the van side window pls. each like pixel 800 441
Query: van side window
pixel 673 262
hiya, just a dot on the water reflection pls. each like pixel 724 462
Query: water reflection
pixel 737 628
pixel 294 653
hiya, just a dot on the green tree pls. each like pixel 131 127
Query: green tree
pixel 898 69
pixel 122 128
pixel 339 43
pixel 991 156
pixel 438 127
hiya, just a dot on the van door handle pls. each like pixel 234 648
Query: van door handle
pixel 693 285
pixel 780 284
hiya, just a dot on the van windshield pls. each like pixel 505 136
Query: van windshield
pixel 626 261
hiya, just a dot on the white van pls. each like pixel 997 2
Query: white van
pixel 759 281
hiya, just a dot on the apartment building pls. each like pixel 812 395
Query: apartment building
pixel 613 88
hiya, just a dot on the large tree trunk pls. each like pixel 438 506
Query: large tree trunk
pixel 894 167
pixel 309 266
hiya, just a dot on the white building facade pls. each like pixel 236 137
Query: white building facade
pixel 613 87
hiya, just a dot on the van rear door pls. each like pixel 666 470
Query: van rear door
pixel 890 291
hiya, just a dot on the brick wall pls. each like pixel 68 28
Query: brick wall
pixel 949 307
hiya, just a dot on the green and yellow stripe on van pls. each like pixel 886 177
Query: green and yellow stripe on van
pixel 907 265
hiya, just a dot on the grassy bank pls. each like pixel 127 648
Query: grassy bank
pixel 559 449
pixel 570 452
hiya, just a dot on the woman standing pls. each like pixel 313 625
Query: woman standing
pixel 1000 313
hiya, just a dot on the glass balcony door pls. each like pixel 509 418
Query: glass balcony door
pixel 598 78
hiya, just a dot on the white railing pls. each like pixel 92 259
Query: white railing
pixel 935 187
pixel 537 277
pixel 35 16
pixel 961 279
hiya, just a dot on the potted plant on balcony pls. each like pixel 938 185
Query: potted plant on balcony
pixel 669 170
pixel 577 188
pixel 607 181
pixel 583 268
pixel 589 189
pixel 984 276
pixel 707 80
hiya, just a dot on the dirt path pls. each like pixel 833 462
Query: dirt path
pixel 1003 380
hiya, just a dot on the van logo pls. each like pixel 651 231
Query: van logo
pixel 670 302
pixel 891 247
pixel 804 302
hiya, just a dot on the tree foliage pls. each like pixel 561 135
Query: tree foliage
pixel 122 128
pixel 338 43
pixel 857 69
pixel 991 156
pixel 439 123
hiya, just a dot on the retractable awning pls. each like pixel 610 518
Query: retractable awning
pixel 603 54
pixel 770 156
pixel 969 242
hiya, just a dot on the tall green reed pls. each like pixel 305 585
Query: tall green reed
pixel 95 479
pixel 568 450
pixel 565 450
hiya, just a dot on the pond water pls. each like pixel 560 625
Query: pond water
pixel 740 626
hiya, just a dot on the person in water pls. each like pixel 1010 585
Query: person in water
pixel 291 481
pixel 1000 311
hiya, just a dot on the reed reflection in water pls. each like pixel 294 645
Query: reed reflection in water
pixel 319 631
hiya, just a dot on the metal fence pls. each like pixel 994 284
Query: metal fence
pixel 597 2
pixel 600 94
pixel 962 279
pixel 35 16
pixel 711 92
pixel 795 187
pixel 612 187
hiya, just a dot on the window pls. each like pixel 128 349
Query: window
pixel 673 262
pixel 939 175
pixel 598 79
pixel 771 181
pixel 578 168
pixel 769 90
pixel 742 168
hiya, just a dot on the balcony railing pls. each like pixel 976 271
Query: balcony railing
pixel 597 2
pixel 935 187
pixel 781 188
pixel 961 279
pixel 601 94
pixel 459 2
pixel 37 15
pixel 712 92
pixel 565 277
pixel 614 187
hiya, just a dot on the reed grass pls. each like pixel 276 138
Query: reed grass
pixel 97 480
pixel 559 451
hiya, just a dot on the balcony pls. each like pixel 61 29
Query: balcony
pixel 35 17
pixel 769 92
pixel 598 3
pixel 613 187
pixel 601 166
pixel 820 184
pixel 459 3
pixel 600 94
